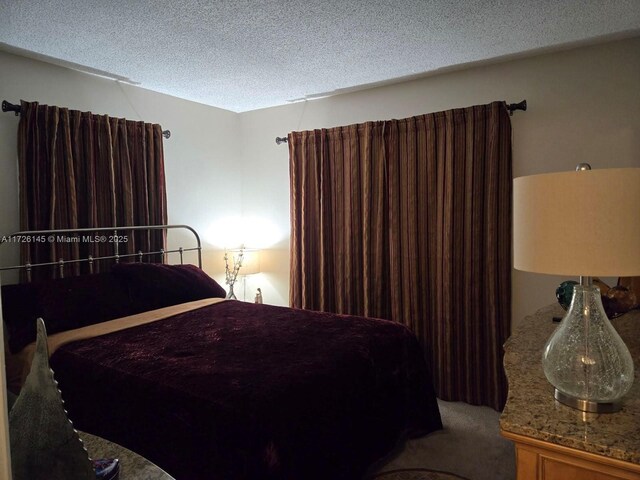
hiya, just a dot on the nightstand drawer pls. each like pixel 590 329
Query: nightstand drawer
pixel 554 469
pixel 538 460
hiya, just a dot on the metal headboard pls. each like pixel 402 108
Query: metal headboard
pixel 114 233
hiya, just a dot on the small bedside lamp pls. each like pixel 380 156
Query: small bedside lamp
pixel 245 261
pixel 250 266
pixel 251 262
pixel 584 223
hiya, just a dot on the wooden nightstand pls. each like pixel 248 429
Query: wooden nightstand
pixel 556 442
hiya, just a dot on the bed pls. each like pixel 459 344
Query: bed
pixel 151 356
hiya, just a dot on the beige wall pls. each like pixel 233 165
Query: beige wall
pixel 584 106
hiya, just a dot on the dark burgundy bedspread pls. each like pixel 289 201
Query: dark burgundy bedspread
pixel 244 391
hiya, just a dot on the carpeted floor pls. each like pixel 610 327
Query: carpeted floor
pixel 416 474
pixel 470 446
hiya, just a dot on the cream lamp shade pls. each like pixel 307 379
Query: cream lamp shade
pixel 250 260
pixel 578 223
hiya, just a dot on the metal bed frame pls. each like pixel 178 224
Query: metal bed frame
pixel 5 459
pixel 114 232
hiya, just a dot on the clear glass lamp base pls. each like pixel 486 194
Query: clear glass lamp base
pixel 585 359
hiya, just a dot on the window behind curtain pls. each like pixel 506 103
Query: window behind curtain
pixel 80 170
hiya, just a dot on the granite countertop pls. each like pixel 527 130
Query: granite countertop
pixel 532 411
pixel 132 465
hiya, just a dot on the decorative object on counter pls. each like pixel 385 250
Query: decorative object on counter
pixel 44 444
pixel 106 468
pixel 258 298
pixel 564 293
pixel 619 301
pixel 133 466
pixel 585 359
pixel 633 284
pixel 616 300
pixel 231 274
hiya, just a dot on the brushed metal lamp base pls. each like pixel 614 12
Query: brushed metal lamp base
pixel 587 405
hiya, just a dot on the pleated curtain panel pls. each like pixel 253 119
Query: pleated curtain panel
pixel 410 220
pixel 80 170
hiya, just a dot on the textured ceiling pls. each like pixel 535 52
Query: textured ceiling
pixel 243 54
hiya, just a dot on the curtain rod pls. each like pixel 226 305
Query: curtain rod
pixel 512 107
pixel 10 107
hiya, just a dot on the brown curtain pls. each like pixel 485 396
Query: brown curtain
pixel 410 220
pixel 79 170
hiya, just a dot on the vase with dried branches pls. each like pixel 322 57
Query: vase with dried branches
pixel 231 273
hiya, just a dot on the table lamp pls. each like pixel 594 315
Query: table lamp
pixel 250 266
pixel 584 223
pixel 250 262
pixel 244 261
